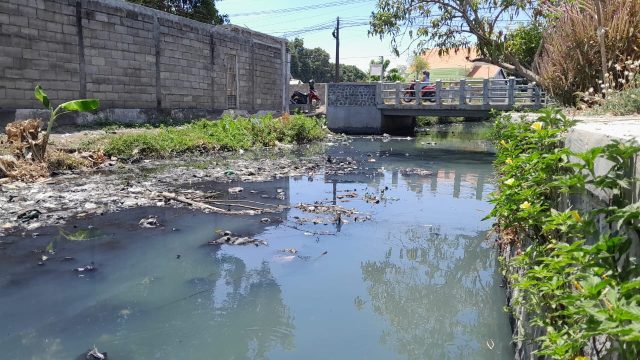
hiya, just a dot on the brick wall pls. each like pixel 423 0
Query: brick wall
pixel 132 57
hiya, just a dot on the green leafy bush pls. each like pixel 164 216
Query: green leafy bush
pixel 576 281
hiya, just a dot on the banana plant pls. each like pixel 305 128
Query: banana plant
pixel 82 105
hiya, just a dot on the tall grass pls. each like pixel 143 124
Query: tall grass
pixel 571 57
pixel 224 134
pixel 625 102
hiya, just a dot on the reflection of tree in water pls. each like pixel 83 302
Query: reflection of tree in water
pixel 234 312
pixel 253 307
pixel 433 290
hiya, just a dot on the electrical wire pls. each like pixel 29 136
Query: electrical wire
pixel 300 8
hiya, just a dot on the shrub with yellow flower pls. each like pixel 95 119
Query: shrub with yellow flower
pixel 576 215
pixel 525 205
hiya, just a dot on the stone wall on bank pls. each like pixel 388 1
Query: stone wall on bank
pixel 134 57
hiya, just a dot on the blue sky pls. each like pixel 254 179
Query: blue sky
pixel 356 47
pixel 278 17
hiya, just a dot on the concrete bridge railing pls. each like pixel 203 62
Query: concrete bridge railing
pixel 376 108
pixel 465 93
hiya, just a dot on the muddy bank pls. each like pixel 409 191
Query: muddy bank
pixel 118 185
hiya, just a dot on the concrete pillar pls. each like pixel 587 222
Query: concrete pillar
pixel 156 40
pixel 511 95
pixel 485 92
pixel 81 59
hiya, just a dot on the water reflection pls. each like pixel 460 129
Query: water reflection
pixel 142 305
pixel 465 182
pixel 251 302
pixel 435 289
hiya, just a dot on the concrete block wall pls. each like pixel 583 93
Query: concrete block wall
pixel 352 109
pixel 132 57
pixel 264 70
pixel 119 55
pixel 38 44
pixel 185 65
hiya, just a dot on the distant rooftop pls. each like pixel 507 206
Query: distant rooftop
pixel 459 59
pixel 484 71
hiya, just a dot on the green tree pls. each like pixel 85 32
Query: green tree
pixel 524 43
pixel 394 75
pixel 315 64
pixel 201 10
pixel 455 24
pixel 309 64
pixel 351 73
pixel 418 64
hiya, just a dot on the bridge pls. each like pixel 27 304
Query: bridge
pixel 376 108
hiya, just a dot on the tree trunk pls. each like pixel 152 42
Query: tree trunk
pixel 603 53
pixel 515 67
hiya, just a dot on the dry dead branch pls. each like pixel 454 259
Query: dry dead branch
pixel 208 208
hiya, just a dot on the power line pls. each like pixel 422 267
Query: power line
pixel 320 27
pixel 300 8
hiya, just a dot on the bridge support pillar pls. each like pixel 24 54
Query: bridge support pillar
pixel 355 120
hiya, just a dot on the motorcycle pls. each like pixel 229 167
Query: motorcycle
pixel 311 97
pixel 428 93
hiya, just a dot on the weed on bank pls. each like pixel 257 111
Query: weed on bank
pixel 225 134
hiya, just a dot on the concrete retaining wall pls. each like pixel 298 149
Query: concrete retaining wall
pixel 133 57
pixel 352 108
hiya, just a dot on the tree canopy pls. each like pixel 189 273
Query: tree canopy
pixel 200 10
pixel 394 75
pixel 418 64
pixel 351 73
pixel 454 25
pixel 309 64
pixel 315 64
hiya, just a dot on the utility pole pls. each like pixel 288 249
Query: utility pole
pixel 336 35
pixel 381 68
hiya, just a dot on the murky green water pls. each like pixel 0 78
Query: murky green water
pixel 418 281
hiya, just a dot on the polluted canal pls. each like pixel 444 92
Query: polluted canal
pixel 384 255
